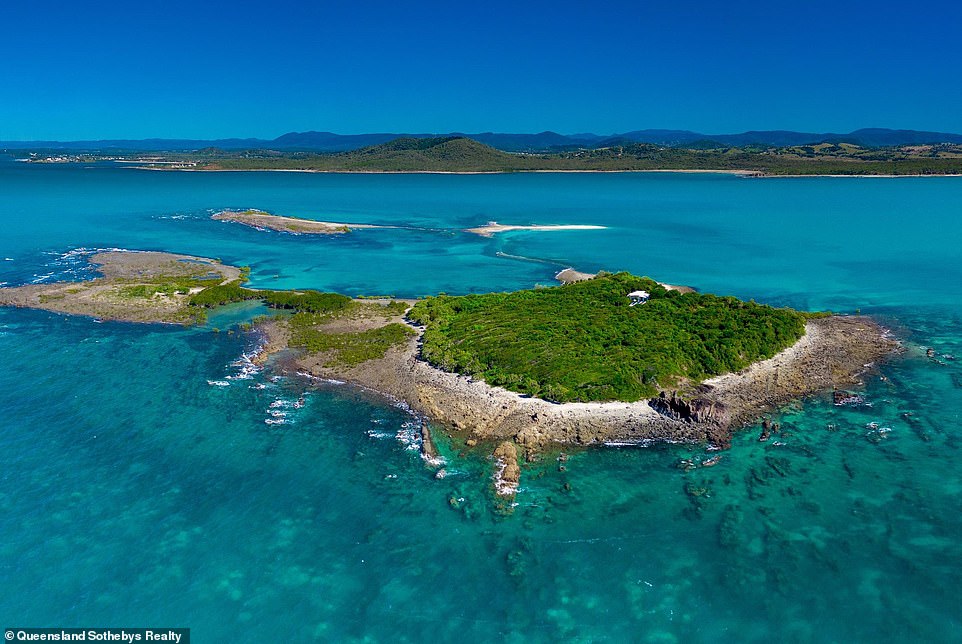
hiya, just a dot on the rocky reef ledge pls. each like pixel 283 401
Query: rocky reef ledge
pixel 262 220
pixel 136 286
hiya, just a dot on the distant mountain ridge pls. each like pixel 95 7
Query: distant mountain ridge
pixel 541 142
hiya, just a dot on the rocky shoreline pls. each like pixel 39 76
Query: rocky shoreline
pixel 834 352
pixel 135 286
pixel 266 221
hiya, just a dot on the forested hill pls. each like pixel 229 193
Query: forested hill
pixel 407 154
pixel 449 153
pixel 585 342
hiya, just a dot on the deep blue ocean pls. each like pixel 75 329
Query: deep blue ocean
pixel 133 492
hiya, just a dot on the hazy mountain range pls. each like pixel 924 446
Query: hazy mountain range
pixel 543 141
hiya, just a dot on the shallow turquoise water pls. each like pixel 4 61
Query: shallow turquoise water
pixel 140 483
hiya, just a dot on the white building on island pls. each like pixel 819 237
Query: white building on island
pixel 638 297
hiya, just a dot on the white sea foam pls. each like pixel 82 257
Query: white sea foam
pixel 71 264
pixel 434 461
pixel 313 378
pixel 246 368
pixel 39 279
pixel 409 435
pixel 502 487
pixel 218 383
pixel 644 442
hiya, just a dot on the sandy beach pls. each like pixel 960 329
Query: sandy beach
pixel 493 227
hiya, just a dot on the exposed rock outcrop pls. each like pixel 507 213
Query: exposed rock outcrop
pixel 508 473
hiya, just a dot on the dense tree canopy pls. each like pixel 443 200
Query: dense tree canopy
pixel 583 342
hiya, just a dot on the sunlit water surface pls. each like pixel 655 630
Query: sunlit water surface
pixel 140 484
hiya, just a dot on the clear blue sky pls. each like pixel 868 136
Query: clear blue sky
pixel 208 69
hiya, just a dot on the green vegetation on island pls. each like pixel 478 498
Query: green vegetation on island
pixel 300 301
pixel 347 349
pixel 585 342
pixel 312 312
pixel 443 154
pixel 181 289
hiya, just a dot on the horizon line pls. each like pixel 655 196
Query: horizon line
pixel 465 133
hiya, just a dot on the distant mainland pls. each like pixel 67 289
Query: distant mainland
pixel 458 154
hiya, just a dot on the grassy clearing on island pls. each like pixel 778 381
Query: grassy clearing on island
pixel 583 342
pixel 313 310
pixel 347 349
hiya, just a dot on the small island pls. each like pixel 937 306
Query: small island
pixel 266 221
pixel 605 359
pixel 136 286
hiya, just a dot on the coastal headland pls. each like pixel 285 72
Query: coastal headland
pixel 640 374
